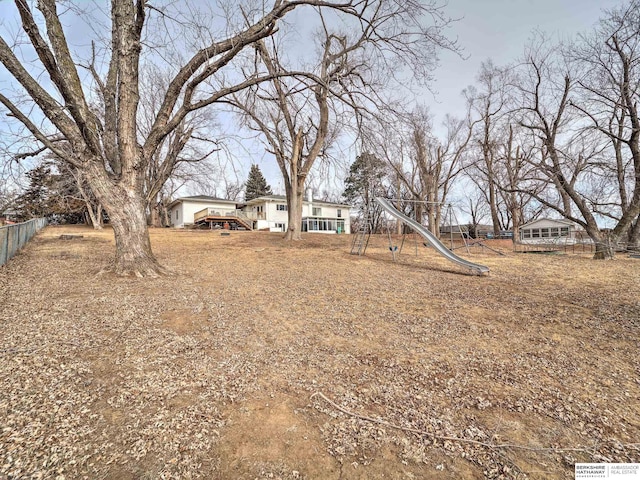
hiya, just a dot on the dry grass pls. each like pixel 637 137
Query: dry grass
pixel 210 373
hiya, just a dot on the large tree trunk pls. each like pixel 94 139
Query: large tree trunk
pixel 604 242
pixel 431 214
pixel 126 208
pixel 516 213
pixel 133 247
pixel 493 207
pixel 154 215
pixel 295 197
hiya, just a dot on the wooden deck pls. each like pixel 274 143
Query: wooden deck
pixel 212 216
pixel 221 220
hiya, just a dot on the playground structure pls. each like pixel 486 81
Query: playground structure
pixel 361 239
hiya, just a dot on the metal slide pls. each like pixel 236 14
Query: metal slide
pixel 431 238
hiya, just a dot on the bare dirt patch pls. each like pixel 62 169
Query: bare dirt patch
pixel 211 372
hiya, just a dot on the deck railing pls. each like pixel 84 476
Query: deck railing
pixel 213 212
pixel 242 216
pixel 14 237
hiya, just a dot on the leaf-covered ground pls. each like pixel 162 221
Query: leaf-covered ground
pixel 262 359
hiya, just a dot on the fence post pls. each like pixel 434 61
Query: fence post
pixel 5 257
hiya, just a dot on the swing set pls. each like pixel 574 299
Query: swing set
pixel 450 213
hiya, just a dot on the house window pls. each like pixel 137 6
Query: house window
pixel 526 233
pixel 317 211
pixel 177 214
pixel 555 231
pixel 281 226
pixel 544 233
pixel 535 233
pixel 339 213
pixel 564 231
pixel 281 207
pixel 340 226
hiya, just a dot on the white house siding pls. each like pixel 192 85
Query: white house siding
pixel 182 213
pixel 266 215
pixel 320 217
pixel 271 214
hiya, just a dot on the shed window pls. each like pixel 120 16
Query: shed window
pixel 564 231
pixel 544 232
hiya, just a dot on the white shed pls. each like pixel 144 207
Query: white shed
pixel 549 230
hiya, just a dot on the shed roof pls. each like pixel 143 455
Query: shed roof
pixel 554 221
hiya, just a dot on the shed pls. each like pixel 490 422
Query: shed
pixel 549 230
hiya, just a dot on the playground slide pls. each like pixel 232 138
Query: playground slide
pixel 430 237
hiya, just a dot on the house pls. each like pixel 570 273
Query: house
pixel 8 217
pixel 549 230
pixel 207 211
pixel 269 212
pixel 263 213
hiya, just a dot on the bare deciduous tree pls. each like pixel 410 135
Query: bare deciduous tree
pixel 106 145
pixel 609 95
pixel 303 109
pixel 595 82
pixel 489 103
pixel 425 165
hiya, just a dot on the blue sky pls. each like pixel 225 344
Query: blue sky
pixel 496 29
pixel 499 29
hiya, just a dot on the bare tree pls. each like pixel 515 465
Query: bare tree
pixel 425 165
pixel 608 95
pixel 106 145
pixel 181 153
pixel 303 110
pixel 8 193
pixel 595 82
pixel 489 103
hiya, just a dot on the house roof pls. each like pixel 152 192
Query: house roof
pixel 201 199
pixel 282 198
pixel 557 221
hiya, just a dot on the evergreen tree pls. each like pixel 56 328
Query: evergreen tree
pixel 257 186
pixel 364 183
pixel 365 180
pixel 54 192
pixel 34 202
